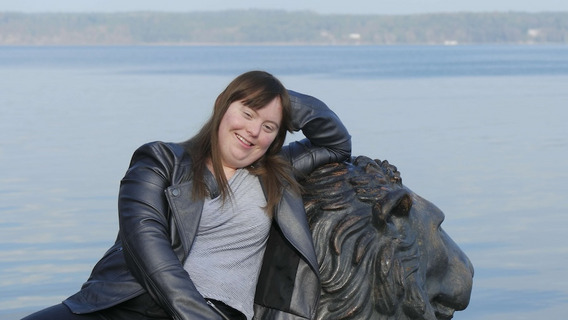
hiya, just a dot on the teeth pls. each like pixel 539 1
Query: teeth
pixel 244 140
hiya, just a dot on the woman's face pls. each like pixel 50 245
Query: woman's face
pixel 245 134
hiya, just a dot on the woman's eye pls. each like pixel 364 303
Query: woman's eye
pixel 247 114
pixel 268 128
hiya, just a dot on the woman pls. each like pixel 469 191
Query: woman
pixel 214 228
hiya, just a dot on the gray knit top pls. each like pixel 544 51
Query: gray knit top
pixel 226 256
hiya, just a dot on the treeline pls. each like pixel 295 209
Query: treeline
pixel 280 27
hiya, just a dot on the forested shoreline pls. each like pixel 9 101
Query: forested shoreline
pixel 267 27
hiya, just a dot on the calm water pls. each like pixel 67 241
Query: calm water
pixel 481 131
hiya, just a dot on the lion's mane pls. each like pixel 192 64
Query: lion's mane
pixel 368 261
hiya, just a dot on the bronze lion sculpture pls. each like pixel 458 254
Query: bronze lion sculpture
pixel 380 247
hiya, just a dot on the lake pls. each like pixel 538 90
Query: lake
pixel 480 131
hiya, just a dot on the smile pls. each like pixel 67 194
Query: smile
pixel 243 140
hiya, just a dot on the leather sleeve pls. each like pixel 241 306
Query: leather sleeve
pixel 327 139
pixel 145 233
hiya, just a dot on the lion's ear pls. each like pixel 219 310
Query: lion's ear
pixel 396 203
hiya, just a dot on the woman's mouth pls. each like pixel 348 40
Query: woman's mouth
pixel 243 140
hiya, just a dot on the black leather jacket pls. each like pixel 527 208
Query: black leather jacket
pixel 158 222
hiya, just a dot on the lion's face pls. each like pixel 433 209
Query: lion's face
pixel 381 249
pixel 444 269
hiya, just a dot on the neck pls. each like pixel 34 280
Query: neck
pixel 227 171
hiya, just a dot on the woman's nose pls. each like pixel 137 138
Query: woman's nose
pixel 254 128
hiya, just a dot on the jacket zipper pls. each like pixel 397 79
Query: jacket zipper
pixel 217 309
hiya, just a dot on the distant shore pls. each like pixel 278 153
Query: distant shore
pixel 268 27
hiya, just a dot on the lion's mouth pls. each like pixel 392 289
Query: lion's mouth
pixel 442 312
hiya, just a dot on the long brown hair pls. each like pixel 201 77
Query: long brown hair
pixel 255 89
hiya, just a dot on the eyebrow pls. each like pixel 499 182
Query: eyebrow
pixel 268 120
pixel 275 124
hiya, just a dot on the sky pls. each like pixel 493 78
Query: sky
pixel 319 6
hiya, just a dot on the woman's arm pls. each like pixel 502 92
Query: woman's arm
pixel 327 139
pixel 145 231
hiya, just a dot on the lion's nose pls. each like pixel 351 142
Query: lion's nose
pixel 471 269
pixel 457 283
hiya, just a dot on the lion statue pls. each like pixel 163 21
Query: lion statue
pixel 380 247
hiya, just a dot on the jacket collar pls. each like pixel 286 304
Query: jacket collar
pixel 291 217
pixel 186 212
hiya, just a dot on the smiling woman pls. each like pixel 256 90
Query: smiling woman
pixel 253 98
pixel 245 134
pixel 215 228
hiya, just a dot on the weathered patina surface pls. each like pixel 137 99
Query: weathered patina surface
pixel 381 248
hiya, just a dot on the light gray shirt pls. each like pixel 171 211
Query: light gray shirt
pixel 226 256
